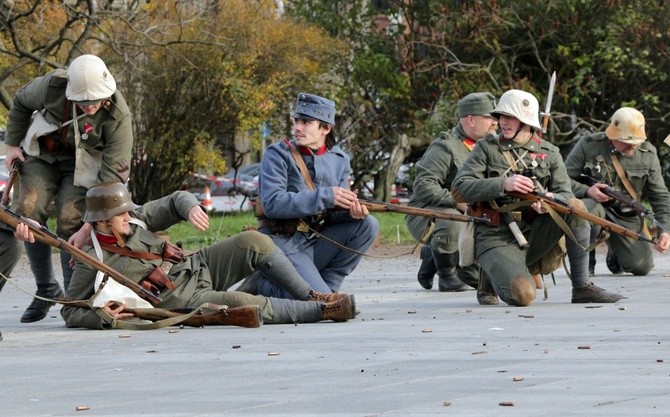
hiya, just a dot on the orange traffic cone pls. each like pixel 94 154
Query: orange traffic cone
pixel 207 199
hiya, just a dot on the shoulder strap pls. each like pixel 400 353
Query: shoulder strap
pixel 131 253
pixel 622 175
pixel 301 165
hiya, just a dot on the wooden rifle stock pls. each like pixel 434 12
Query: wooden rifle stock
pixel 565 208
pixel 243 316
pixel 416 211
pixel 617 195
pixel 14 171
pixel 44 235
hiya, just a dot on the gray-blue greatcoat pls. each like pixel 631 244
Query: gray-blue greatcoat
pixel 285 195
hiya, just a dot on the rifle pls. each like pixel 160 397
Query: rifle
pixel 639 208
pixel 564 207
pixel 13 172
pixel 416 211
pixel 243 316
pixel 44 235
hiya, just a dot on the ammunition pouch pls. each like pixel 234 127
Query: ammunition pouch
pixel 172 253
pixel 483 209
pixel 157 282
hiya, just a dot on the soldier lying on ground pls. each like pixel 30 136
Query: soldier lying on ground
pixel 123 238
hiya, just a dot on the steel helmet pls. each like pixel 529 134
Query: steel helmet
pixel 521 105
pixel 89 80
pixel 627 126
pixel 106 200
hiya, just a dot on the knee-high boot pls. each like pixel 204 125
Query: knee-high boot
pixel 294 311
pixel 427 270
pixel 39 255
pixel 446 272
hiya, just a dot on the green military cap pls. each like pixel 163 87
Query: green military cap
pixel 481 103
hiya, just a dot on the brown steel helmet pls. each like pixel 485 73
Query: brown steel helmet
pixel 107 200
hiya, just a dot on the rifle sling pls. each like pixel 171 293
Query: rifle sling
pixel 143 325
pixel 130 253
pixel 629 187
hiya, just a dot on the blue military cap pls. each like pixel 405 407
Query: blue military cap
pixel 315 107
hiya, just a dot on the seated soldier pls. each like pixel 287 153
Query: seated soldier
pixel 123 238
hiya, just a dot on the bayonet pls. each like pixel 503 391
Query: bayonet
pixel 547 108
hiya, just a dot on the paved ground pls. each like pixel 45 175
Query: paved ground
pixel 411 352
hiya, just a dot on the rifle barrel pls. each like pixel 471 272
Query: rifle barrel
pixel 44 235
pixel 566 208
pixel 417 211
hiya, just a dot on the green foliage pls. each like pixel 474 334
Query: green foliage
pixel 392 230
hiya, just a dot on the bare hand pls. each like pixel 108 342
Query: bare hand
pixel 518 183
pixel 462 207
pixel 198 218
pixel 12 153
pixel 663 242
pixel 358 211
pixel 538 207
pixel 344 198
pixel 116 311
pixel 81 237
pixel 594 192
pixel 23 232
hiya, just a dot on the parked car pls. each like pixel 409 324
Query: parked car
pixel 224 195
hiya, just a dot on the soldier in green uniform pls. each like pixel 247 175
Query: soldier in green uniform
pixel 434 175
pixel 72 129
pixel 123 238
pixel 518 160
pixel 9 255
pixel 622 158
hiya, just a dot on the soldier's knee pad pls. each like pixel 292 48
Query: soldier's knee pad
pixel 522 291
pixel 256 241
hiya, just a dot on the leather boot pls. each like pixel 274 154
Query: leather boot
pixel 325 298
pixel 594 294
pixel 613 263
pixel 486 295
pixel 522 292
pixel 446 272
pixel 427 270
pixel 38 309
pixel 341 310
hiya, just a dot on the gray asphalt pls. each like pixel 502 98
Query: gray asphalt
pixel 410 352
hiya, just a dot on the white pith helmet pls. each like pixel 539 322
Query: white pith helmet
pixel 627 126
pixel 89 80
pixel 521 105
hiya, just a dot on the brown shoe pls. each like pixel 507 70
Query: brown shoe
pixel 323 297
pixel 486 295
pixel 593 294
pixel 341 310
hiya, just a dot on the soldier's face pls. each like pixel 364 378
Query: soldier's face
pixel 625 148
pixel 478 126
pixel 120 223
pixel 91 109
pixel 310 133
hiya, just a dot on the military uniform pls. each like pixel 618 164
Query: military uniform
pixel 481 179
pixel 323 260
pixel 56 168
pixel 435 173
pixel 285 196
pixel 591 156
pixel 203 277
pixel 107 134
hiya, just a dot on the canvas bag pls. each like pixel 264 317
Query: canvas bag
pixel 466 244
pixel 38 128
